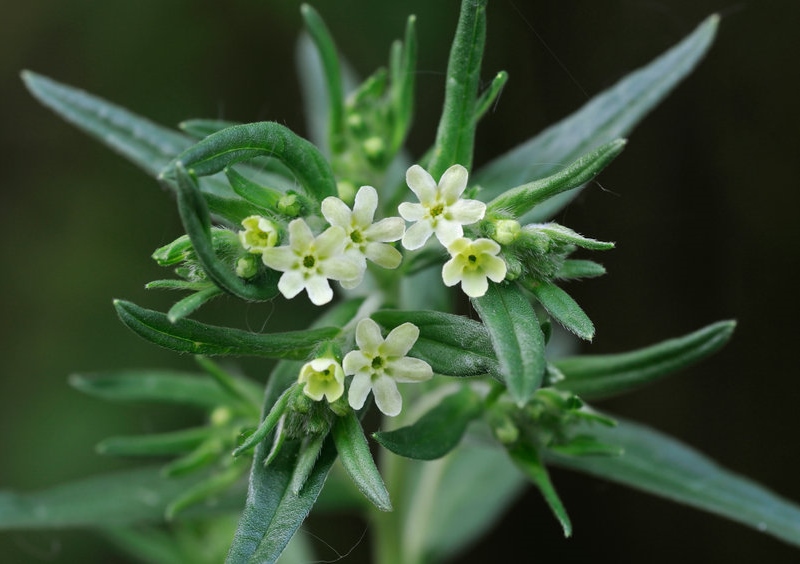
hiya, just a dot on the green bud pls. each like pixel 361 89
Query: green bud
pixel 174 253
pixel 247 266
pixel 505 431
pixel 375 149
pixel 506 231
pixel 290 205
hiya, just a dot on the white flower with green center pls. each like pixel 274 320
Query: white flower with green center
pixel 380 363
pixel 472 263
pixel 440 209
pixel 308 262
pixel 365 240
pixel 322 377
pixel 259 234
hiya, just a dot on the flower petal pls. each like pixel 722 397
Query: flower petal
pixel 355 361
pixel 466 211
pixel 421 183
pixel 366 203
pixel 300 235
pixel 291 284
pixel 446 231
pixel 330 242
pixel 280 258
pixel 494 267
pixel 417 235
pixel 342 268
pixel 387 396
pixel 409 369
pixel 319 290
pixel 359 390
pixel 386 230
pixel 453 183
pixel 400 340
pixel 412 212
pixel 474 284
pixel 336 212
pixel 368 336
pixel 452 270
pixel 383 255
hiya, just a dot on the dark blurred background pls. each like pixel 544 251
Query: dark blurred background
pixel 703 206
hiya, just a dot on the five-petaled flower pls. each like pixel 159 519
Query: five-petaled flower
pixel 308 262
pixel 259 234
pixel 441 209
pixel 365 240
pixel 379 364
pixel 322 377
pixel 472 263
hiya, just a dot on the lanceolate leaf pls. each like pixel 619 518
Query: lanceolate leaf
pixel 194 337
pixel 661 465
pixel 563 309
pixel 455 138
pixel 157 444
pixel 601 376
pixel 610 115
pixel 516 336
pixel 153 385
pixel 452 344
pixel 120 498
pixel 357 460
pixel 148 145
pixel 438 431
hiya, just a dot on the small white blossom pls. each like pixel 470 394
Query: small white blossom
pixel 472 263
pixel 308 262
pixel 259 234
pixel 441 209
pixel 322 377
pixel 365 240
pixel 379 364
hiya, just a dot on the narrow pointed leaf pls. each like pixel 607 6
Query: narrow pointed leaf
pixel 254 193
pixel 201 128
pixel 158 444
pixel 148 145
pixel 528 460
pixel 357 460
pixel 489 97
pixel 269 139
pixel 610 115
pixel 214 485
pixel 576 268
pixel 190 304
pixel 453 345
pixel 563 309
pixel 520 200
pixel 566 235
pixel 516 336
pixel 661 465
pixel 152 386
pixel 194 337
pixel 196 220
pixel 455 137
pixel 601 376
pixel 402 70
pixel 438 431
pixel 120 498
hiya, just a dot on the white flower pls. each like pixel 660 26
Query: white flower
pixel 322 377
pixel 441 209
pixel 365 240
pixel 379 364
pixel 308 262
pixel 472 263
pixel 259 234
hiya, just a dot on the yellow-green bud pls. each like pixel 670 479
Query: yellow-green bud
pixel 506 231
pixel 247 266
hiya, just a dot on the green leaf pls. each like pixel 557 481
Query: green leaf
pixel 563 234
pixel 516 336
pixel 357 460
pixel 120 498
pixel 152 386
pixel 575 268
pixel 190 304
pixel 262 196
pixel 148 145
pixel 527 459
pixel 661 465
pixel 490 95
pixel 402 69
pixel 243 142
pixel 158 444
pixel 438 431
pixel 197 222
pixel 452 344
pixel 326 51
pixel 563 309
pixel 455 137
pixel 194 337
pixel 520 200
pixel 608 116
pixel 602 376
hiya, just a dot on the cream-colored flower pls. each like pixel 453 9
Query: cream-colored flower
pixel 307 262
pixel 322 377
pixel 259 234
pixel 472 263
pixel 380 363
pixel 441 209
pixel 365 240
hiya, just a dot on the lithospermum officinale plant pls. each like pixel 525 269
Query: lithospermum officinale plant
pixel 472 405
